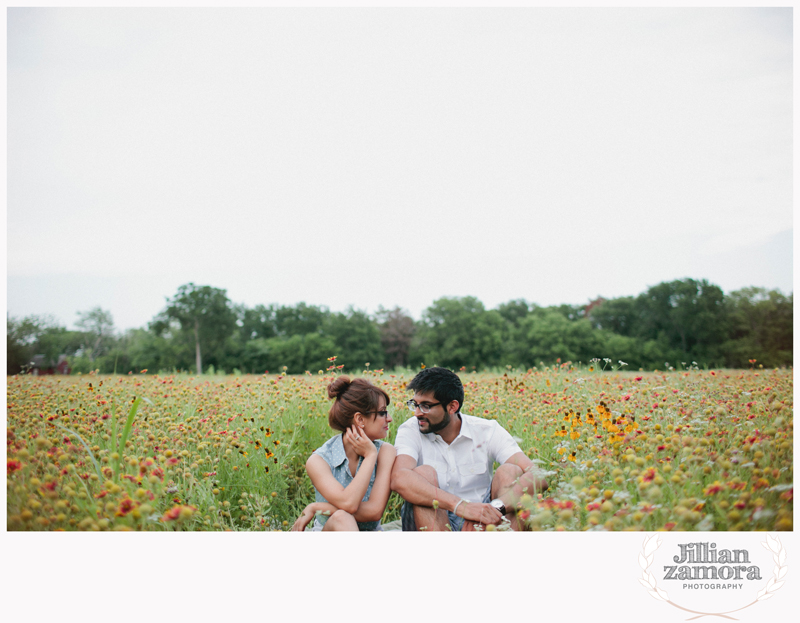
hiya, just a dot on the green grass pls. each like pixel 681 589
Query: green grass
pixel 692 449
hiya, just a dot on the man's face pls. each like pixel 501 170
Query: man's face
pixel 437 419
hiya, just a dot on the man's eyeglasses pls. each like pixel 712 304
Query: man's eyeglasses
pixel 384 414
pixel 425 407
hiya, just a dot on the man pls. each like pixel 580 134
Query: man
pixel 443 468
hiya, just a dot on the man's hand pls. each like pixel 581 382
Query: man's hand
pixel 480 513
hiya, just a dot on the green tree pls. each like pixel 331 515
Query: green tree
pixel 761 327
pixel 397 331
pixel 300 319
pixel 21 337
pixel 570 312
pixel 258 322
pixel 689 315
pixel 514 312
pixel 144 349
pixel 297 352
pixel 460 332
pixel 98 325
pixel 357 339
pixel 202 311
pixel 620 316
pixel 38 338
pixel 549 335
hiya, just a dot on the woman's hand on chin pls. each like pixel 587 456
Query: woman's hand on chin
pixel 361 443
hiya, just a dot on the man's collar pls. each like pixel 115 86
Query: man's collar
pixel 466 429
pixel 463 430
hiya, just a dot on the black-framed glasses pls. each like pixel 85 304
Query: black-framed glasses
pixel 425 407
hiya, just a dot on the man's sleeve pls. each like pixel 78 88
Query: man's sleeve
pixel 407 442
pixel 502 445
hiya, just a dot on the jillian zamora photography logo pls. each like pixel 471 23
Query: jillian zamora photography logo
pixel 715 575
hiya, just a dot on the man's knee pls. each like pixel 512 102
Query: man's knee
pixel 533 482
pixel 504 477
pixel 508 472
pixel 428 473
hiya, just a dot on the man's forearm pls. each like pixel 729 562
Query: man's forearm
pixel 415 489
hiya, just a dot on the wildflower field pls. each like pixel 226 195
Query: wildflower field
pixel 676 450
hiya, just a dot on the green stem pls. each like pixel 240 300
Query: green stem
pixel 126 431
pixel 85 445
pixel 114 449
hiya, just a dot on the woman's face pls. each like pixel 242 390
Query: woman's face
pixel 376 425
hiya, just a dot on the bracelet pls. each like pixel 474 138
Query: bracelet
pixel 456 507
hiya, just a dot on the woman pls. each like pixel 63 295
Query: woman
pixel 351 472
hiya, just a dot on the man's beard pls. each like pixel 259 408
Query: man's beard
pixel 435 428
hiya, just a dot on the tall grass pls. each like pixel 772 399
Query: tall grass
pixel 681 449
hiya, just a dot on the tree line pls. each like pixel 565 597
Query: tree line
pixel 678 323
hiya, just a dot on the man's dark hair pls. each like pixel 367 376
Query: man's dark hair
pixel 444 383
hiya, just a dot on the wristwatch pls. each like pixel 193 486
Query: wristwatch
pixel 498 504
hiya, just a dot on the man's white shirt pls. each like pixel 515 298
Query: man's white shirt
pixel 464 467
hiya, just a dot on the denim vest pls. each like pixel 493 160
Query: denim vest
pixel 333 453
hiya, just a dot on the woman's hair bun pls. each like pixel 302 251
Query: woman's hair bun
pixel 338 387
pixel 352 397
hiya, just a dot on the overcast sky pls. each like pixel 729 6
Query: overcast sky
pixel 390 157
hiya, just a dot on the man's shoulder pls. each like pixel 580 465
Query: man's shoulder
pixel 408 439
pixel 483 430
pixel 408 433
pixel 479 423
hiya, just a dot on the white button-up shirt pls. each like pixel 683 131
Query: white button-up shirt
pixel 464 467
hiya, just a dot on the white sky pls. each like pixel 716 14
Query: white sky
pixel 393 156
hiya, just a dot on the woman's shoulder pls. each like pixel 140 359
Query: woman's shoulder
pixel 385 449
pixel 330 447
